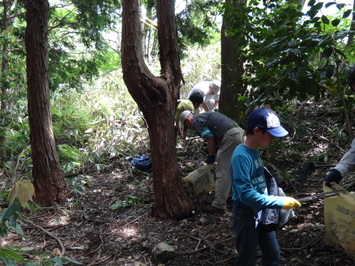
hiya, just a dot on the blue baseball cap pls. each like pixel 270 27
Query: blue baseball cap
pixel 267 119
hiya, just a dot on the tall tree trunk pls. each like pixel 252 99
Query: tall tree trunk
pixel 49 182
pixel 352 28
pixel 232 69
pixel 156 98
pixel 3 83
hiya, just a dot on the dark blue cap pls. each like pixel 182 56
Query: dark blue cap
pixel 267 119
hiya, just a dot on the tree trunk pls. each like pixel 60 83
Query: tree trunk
pixel 352 28
pixel 232 70
pixel 49 182
pixel 3 83
pixel 156 98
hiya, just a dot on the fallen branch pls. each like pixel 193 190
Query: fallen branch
pixel 134 220
pixel 303 247
pixel 100 261
pixel 48 233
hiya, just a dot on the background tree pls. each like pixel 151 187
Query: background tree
pixel 49 182
pixel 3 83
pixel 352 27
pixel 12 72
pixel 156 98
pixel 232 62
pixel 289 54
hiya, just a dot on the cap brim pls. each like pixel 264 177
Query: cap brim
pixel 278 132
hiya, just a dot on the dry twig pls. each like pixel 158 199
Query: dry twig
pixel 48 233
pixel 204 248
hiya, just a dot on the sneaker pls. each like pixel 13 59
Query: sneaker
pixel 211 209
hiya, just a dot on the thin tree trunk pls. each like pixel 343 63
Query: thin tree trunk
pixel 3 84
pixel 352 28
pixel 232 69
pixel 49 182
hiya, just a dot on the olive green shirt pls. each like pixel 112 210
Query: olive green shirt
pixel 184 104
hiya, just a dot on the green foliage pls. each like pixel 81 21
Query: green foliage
pixel 95 124
pixel 70 119
pixel 128 202
pixel 8 257
pixel 9 219
pixel 78 184
pixel 71 158
pixel 198 23
pixel 203 63
pixel 77 49
pixel 17 136
pixel 290 54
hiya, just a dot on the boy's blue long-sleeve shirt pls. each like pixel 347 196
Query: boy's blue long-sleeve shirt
pixel 248 180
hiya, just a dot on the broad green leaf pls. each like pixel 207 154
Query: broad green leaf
pixel 11 211
pixel 117 205
pixel 58 261
pixel 10 254
pixel 325 20
pixel 335 22
pixel 330 4
pixel 347 13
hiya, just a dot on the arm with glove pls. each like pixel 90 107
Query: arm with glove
pixel 344 166
pixel 289 203
pixel 211 144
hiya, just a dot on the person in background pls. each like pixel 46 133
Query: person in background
pixel 347 162
pixel 210 91
pixel 193 102
pixel 250 193
pixel 219 130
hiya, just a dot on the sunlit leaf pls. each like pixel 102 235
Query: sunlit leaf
pixel 23 190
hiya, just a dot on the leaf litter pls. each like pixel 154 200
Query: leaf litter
pixel 94 233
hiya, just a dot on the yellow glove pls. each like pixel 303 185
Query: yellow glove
pixel 290 202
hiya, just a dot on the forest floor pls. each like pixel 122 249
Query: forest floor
pixel 88 231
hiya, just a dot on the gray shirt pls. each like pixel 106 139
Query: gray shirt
pixel 212 124
pixel 347 162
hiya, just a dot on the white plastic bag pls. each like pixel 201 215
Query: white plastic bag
pixel 201 181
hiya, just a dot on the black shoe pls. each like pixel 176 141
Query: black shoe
pixel 211 209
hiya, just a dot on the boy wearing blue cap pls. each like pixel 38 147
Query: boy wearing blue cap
pixel 250 190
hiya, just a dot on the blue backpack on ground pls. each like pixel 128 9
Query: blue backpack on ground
pixel 142 163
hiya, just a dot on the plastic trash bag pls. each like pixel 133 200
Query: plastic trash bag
pixel 339 220
pixel 272 219
pixel 200 181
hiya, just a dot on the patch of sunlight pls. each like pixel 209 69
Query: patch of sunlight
pixel 321 148
pixel 61 220
pixel 129 232
pixel 131 186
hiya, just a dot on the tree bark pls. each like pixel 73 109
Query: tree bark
pixel 3 84
pixel 232 70
pixel 352 28
pixel 156 98
pixel 49 182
